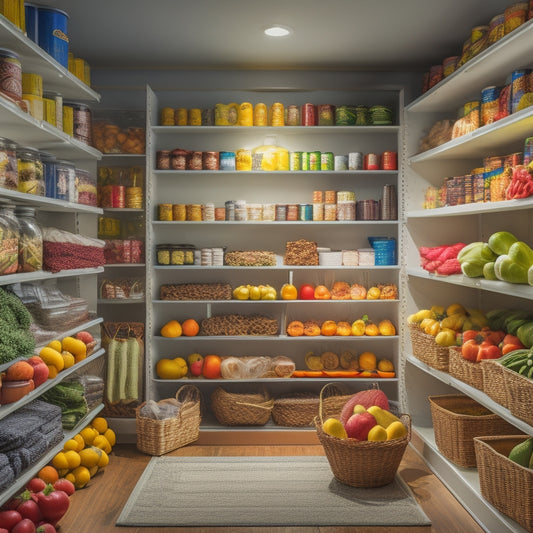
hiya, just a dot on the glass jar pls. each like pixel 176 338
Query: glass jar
pixel 30 246
pixel 9 239
pixel 30 171
pixel 65 177
pixel 8 164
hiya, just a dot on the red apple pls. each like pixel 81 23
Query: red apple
pixel 306 292
pixel 40 370
pixel 85 337
pixel 359 424
pixel 196 368
pixel 19 371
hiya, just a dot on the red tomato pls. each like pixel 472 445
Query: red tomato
pixel 8 519
pixel 65 485
pixel 488 350
pixel 24 526
pixel 36 484
pixel 306 292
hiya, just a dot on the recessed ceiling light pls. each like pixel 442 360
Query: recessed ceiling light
pixel 277 30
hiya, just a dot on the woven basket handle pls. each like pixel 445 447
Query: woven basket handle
pixel 190 393
pixel 265 405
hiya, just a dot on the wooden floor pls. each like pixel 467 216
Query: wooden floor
pixel 96 507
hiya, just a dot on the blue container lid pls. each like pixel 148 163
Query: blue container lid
pixel 53 10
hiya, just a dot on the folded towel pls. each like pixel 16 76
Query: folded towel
pixel 18 460
pixel 54 437
pixel 7 476
pixel 37 449
pixel 50 427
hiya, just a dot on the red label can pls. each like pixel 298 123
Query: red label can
pixel 389 160
pixel 371 162
pixel 119 196
pixel 308 115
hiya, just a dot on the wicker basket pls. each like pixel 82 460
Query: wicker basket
pixel 298 409
pixel 519 395
pixel 364 463
pixel 503 483
pixel 241 409
pixel 157 437
pixel 426 350
pixel 464 370
pixel 457 419
pixel 333 396
pixel 494 381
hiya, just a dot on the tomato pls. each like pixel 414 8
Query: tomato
pixel 65 485
pixel 29 509
pixel 488 350
pixel 470 350
pixel 36 484
pixel 211 368
pixel 8 519
pixel 53 504
pixel 306 292
pixel 24 526
pixel 46 528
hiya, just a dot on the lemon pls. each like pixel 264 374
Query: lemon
pixel 90 456
pixel 80 440
pixel 73 459
pixel 60 461
pixel 100 424
pixel 377 433
pixel 104 460
pixel 72 444
pixel 102 443
pixel 79 476
pixel 56 345
pixel 110 437
pixel 88 433
pixel 334 427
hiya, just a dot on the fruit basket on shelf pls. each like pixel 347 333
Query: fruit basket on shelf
pixel 519 394
pixel 427 350
pixel 295 410
pixel 493 381
pixel 466 371
pixel 457 419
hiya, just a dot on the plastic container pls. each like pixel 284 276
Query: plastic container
pixel 53 33
pixel 85 184
pixel 49 162
pixel 8 164
pixel 30 171
pixel 30 247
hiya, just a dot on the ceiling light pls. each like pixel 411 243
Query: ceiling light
pixel 278 31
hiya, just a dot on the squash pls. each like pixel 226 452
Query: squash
pixel 171 329
pixel 366 398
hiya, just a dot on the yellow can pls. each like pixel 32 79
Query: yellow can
pixel 49 111
pixel 167 116
pixel 68 120
pixel 260 114
pixel 181 116
pixel 195 117
pixel 35 105
pixel 32 84
pixel 245 114
pixel 243 160
pixel 277 114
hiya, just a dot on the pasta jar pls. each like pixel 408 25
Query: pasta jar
pixel 30 246
pixel 65 176
pixel 30 171
pixel 9 239
pixel 10 74
pixel 8 164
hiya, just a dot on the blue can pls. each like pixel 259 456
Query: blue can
pixel 52 34
pixel 226 161
pixel 32 21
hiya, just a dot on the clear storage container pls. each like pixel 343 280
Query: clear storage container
pixel 30 171
pixel 65 177
pixel 8 164
pixel 30 246
pixel 9 239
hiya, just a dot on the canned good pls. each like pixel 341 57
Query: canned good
pixel 309 115
pixel 305 212
pixel 489 104
pixel 32 84
pixel 165 212
pixel 496 28
pixel 449 65
pixel 330 197
pixel 181 116
pixel 68 119
pixel 179 212
pixel 53 33
pixel 293 115
pixel 355 161
pixel 194 160
pixel 10 74
pixel 167 116
pixel 193 212
pixel 318 211
pixel 162 161
pixel 341 162
pixel 49 111
pixel 314 160
pixel 230 209
pixel 519 87
pixel 295 161
pixel 292 212
pixel 281 212
pixel 389 161
pixel 58 107
pixel 30 171
pixel 345 115
pixel 35 106
pixel 209 212
pixel 269 212
pixel 327 161
pixel 178 159
pixel 245 114
pixel 31 21
pixel 195 117
pixel 277 114
pixel 210 161
pixel 371 162
pixel 326 115
pixel 243 160
pixel 330 212
pixel 208 117
pixel 82 122
pixel 260 114
pixel 227 161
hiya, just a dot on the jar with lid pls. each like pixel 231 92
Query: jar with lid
pixel 30 171
pixel 30 246
pixel 9 239
pixel 10 75
pixel 65 177
pixel 49 162
pixel 8 164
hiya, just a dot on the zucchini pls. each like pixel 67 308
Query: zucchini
pixel 122 368
pixel 132 379
pixel 111 378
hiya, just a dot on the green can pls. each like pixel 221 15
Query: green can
pixel 327 161
pixel 295 161
pixel 305 160
pixel 314 160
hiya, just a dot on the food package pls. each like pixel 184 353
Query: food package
pixel 269 158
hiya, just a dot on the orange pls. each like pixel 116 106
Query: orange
pixel 367 361
pixel 211 368
pixel 190 327
pixel 322 293
pixel 48 474
pixel 328 328
pixel 289 292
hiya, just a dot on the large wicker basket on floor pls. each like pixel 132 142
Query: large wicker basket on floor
pixel 494 381
pixel 296 410
pixel 157 437
pixel 364 463
pixel 519 395
pixel 457 419
pixel 464 370
pixel 241 408
pixel 505 484
pixel 427 350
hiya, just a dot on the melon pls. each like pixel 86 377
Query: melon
pixel 366 398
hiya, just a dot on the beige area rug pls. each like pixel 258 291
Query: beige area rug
pixel 261 491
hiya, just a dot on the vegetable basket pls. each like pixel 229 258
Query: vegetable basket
pixel 519 395
pixel 505 484
pixel 427 350
pixel 157 437
pixel 295 410
pixel 242 408
pixel 362 464
pixel 464 370
pixel 457 419
pixel 494 381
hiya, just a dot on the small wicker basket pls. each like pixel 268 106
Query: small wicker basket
pixel 457 419
pixel 519 395
pixel 241 409
pixel 494 381
pixel 464 370
pixel 503 483
pixel 426 350
pixel 157 437
pixel 296 410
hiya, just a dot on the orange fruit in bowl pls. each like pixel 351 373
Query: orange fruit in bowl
pixel 322 293
pixel 211 368
pixel 328 328
pixel 190 327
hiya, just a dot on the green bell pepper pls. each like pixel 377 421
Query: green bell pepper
pixel 513 267
pixel 501 241
pixel 473 257
pixel 525 334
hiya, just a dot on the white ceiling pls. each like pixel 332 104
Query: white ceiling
pixel 228 34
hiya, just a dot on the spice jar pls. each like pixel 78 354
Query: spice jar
pixel 8 164
pixel 9 239
pixel 30 171
pixel 30 245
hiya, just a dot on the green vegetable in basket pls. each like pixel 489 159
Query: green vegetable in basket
pixel 522 453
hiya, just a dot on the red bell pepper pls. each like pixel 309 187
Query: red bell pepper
pixel 53 504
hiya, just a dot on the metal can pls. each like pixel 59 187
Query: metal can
pixel 162 160
pixel 489 104
pixel 230 209
pixel 227 160
pixel 355 161
pixel 82 122
pixel 314 160
pixel 309 115
pixel 119 197
pixel 292 212
pixel 165 211
pixel 305 212
pixel 210 160
pixel 179 212
pixel 277 114
pixel 281 212
pixel 293 115
pixel 327 161
pixel 371 162
pixel 326 115
pixel 10 74
pixel 195 117
pixel 167 116
pixel 194 160
pixel 260 114
pixel 295 161
pixel 341 162
pixel 519 87
pixel 181 116
pixel 178 159
pixel 389 161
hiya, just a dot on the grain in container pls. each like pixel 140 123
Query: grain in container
pixel 65 176
pixel 30 171
pixel 10 75
pixel 81 122
pixel 30 247
pixel 8 164
pixel 9 239
pixel 53 33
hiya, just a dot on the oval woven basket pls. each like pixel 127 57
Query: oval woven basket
pixel 296 410
pixel 241 409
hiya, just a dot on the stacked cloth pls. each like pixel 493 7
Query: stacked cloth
pixel 25 436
